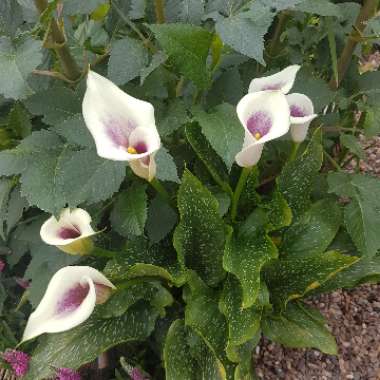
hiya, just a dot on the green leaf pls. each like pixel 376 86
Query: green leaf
pixel 157 60
pixel 128 57
pixel 245 31
pixel 278 212
pixel 74 7
pixel 161 220
pixel 199 238
pixel 140 260
pixel 297 177
pixel 207 155
pixel 362 215
pixel 16 206
pixel 244 256
pixel 132 292
pixel 19 121
pixel 60 103
pixel 129 213
pixel 74 130
pixel 187 357
pixel 86 177
pixel 367 269
pixel 84 343
pixel 298 328
pixel 5 189
pixel 223 130
pixel 17 61
pixel 319 7
pixel 175 117
pixel 11 17
pixel 243 324
pixel 188 47
pixel 352 144
pixel 186 11
pixel 313 231
pixel 294 277
pixel 166 167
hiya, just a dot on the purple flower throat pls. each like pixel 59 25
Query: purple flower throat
pixel 259 124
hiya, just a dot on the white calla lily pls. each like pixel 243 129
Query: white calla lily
pixel 301 115
pixel 69 300
pixel 265 116
pixel 123 127
pixel 282 81
pixel 70 232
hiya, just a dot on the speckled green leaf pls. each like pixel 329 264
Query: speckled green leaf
pixel 187 357
pixel 129 213
pixel 207 155
pixel 314 231
pixel 296 179
pixel 245 256
pixel 223 130
pixel 367 269
pixel 84 343
pixel 131 292
pixel 187 46
pixel 297 327
pixel 140 260
pixel 243 324
pixel 278 212
pixel 199 238
pixel 294 277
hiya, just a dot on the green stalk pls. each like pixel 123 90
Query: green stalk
pixel 101 252
pixel 238 191
pixel 294 151
pixel 157 185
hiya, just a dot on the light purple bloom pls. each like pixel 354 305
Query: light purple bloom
pixel 18 360
pixel 67 374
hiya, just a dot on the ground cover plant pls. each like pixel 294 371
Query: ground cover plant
pixel 172 181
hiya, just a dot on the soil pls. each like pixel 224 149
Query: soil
pixel 353 316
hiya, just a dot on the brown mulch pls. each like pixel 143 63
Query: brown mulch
pixel 353 317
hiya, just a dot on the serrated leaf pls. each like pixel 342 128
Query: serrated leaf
pixel 297 177
pixel 188 48
pixel 11 17
pixel 59 104
pixel 161 220
pixel 297 328
pixel 129 213
pixel 157 60
pixel 128 57
pixel 19 121
pixel 244 256
pixel 223 130
pixel 352 144
pixel 16 206
pixel 313 231
pixel 186 11
pixel 207 155
pixel 199 238
pixel 17 61
pixel 166 167
pixel 175 117
pixel 294 277
pixel 84 343
pixel 187 357
pixel 5 189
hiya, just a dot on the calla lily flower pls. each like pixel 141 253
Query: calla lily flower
pixel 69 300
pixel 265 116
pixel 70 233
pixel 123 127
pixel 301 115
pixel 282 81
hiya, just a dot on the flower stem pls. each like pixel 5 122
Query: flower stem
pixel 332 161
pixel 157 185
pixel 238 190
pixel 160 11
pixel 368 9
pixel 69 66
pixel 101 252
pixel 294 151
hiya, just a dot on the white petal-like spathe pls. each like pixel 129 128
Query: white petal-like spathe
pixel 111 116
pixel 76 220
pixel 301 115
pixel 282 81
pixel 56 311
pixel 274 107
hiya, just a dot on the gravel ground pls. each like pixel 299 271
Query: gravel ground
pixel 353 317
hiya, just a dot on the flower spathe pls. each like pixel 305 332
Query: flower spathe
pixel 69 300
pixel 301 115
pixel 123 127
pixel 70 232
pixel 265 115
pixel 18 360
pixel 301 106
